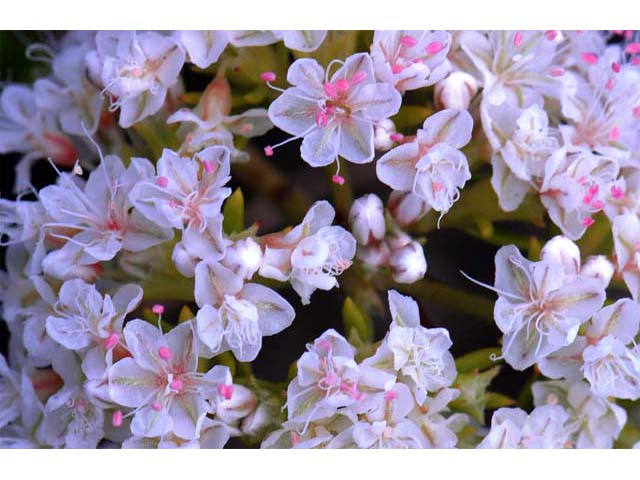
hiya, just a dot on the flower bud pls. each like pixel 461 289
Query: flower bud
pixel 374 256
pixel 241 404
pixel 366 218
pixel 398 240
pixel 408 263
pixel 184 262
pixel 257 420
pixel 244 257
pixel 382 134
pixel 598 266
pixel 562 251
pixel 455 91
pixel 60 264
pixel 406 207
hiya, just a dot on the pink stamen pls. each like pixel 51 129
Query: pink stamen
pixel 225 391
pixel 162 182
pixel 342 85
pixel 517 39
pixel 616 192
pixel 437 186
pixel 157 406
pixel 407 41
pixel 325 345
pixel 551 34
pixel 358 77
pixel 209 166
pixel 633 48
pixel 397 68
pixel 330 89
pixel 615 66
pixel 635 61
pixel 587 222
pixel 434 48
pixel 614 134
pixel 636 112
pixel 598 204
pixel 556 72
pixel 321 119
pixel 268 151
pixel 112 341
pixel 176 384
pixel 396 137
pixel 117 418
pixel 338 180
pixel 165 353
pixel 158 309
pixel 589 58
pixel 267 76
pixel 610 84
pixel 390 395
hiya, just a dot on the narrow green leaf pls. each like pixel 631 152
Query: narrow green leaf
pixel 233 211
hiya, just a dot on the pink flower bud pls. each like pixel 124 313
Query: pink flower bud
pixel 598 266
pixel 455 91
pixel 408 263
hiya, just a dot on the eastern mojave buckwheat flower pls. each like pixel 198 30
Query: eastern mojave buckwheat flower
pixel 185 267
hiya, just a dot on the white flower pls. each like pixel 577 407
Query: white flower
pixel 539 307
pixel 9 393
pixel 136 69
pixel 626 239
pixel 160 380
pixel 410 59
pixel 327 379
pixel 310 255
pixel 235 315
pixel 611 364
pixel 73 416
pixel 85 321
pixel 431 166
pixel 213 124
pixel 545 427
pixel 26 129
pixel 366 218
pixel 185 190
pixel 419 355
pixel 335 117
pixel 595 422
pixel 97 215
pixel 69 94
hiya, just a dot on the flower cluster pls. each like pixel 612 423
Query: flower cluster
pixel 396 398
pixel 137 292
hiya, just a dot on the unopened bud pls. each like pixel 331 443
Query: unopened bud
pixel 398 240
pixel 241 404
pixel 184 262
pixel 374 256
pixel 455 91
pixel 407 208
pixel 382 132
pixel 562 251
pixel 257 420
pixel 598 266
pixel 244 257
pixel 366 218
pixel 408 263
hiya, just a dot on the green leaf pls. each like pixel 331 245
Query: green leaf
pixel 496 400
pixel 185 315
pixel 227 359
pixel 473 390
pixel 411 117
pixel 355 320
pixel 233 211
pixel 477 360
